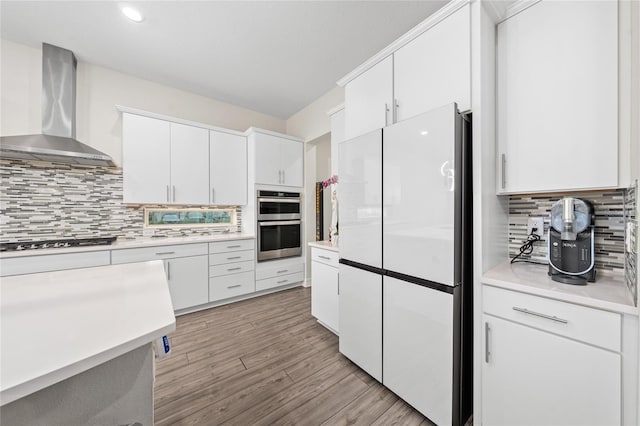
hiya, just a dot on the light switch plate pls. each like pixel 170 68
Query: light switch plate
pixel 536 222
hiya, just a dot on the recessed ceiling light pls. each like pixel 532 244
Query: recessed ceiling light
pixel 132 14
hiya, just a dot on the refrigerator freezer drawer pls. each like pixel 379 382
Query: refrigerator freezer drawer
pixel 418 347
pixel 361 319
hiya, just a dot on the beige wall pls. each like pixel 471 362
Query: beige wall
pixel 312 121
pixel 99 90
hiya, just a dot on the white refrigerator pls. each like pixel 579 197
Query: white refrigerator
pixel 405 222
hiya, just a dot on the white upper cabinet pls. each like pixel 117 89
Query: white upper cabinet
pixel 164 162
pixel 145 159
pixel 228 168
pixel 278 160
pixel 268 168
pixel 189 164
pixel 558 97
pixel 435 68
pixel 368 99
pixel 291 161
pixel 418 75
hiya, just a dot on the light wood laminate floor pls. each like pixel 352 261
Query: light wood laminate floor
pixel 267 361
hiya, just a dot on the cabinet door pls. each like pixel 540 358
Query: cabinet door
pixel 268 166
pixel 368 99
pixel 324 294
pixel 360 316
pixel 291 163
pixel 531 377
pixel 145 159
pixel 418 347
pixel 435 68
pixel 228 168
pixel 189 164
pixel 188 281
pixel 557 97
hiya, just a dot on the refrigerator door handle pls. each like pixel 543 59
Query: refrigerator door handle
pixel 487 352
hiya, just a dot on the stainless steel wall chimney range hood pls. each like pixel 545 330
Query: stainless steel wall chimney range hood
pixel 57 142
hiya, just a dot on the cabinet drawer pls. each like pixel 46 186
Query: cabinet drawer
pixel 231 245
pixel 228 286
pixel 594 326
pixel 279 270
pixel 159 252
pixel 52 262
pixel 325 256
pixel 230 268
pixel 279 281
pixel 231 257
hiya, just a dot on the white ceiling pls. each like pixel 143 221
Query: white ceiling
pixel 270 56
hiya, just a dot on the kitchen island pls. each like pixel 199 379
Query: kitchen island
pixel 76 345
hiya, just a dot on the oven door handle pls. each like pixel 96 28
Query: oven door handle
pixel 279 222
pixel 279 200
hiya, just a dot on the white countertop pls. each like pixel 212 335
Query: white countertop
pixel 609 291
pixel 134 243
pixel 55 325
pixel 325 245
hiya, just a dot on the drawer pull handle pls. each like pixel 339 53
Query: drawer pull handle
pixel 324 257
pixel 282 271
pixel 234 286
pixel 233 246
pixel 282 281
pixel 537 314
pixel 233 257
pixel 164 253
pixel 234 269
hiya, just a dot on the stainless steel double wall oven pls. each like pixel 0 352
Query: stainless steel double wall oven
pixel 279 225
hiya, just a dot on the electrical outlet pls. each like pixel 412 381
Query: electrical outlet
pixel 538 223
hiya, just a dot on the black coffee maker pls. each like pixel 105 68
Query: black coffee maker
pixel 571 241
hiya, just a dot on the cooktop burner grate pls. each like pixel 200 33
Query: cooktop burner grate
pixel 63 243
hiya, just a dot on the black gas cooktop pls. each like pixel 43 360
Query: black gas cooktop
pixel 73 242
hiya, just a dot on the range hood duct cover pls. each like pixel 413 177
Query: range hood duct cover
pixel 57 142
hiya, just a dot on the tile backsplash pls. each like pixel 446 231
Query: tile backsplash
pixel 631 249
pixel 609 225
pixel 41 200
pixel 613 210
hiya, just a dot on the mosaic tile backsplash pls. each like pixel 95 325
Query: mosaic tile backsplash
pixel 609 225
pixel 631 249
pixel 614 211
pixel 41 200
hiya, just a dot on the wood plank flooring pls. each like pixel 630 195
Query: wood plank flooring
pixel 266 361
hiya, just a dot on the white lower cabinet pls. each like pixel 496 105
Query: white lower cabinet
pixel 186 265
pixel 325 287
pixel 361 319
pixel 187 277
pixel 536 377
pixel 231 269
pixel 52 262
pixel 227 286
pixel 279 273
